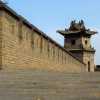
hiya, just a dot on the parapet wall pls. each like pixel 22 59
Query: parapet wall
pixel 25 48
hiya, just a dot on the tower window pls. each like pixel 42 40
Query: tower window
pixel 86 42
pixel 73 42
pixel 88 66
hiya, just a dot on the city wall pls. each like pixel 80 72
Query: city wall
pixel 24 47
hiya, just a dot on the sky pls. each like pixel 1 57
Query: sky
pixel 51 15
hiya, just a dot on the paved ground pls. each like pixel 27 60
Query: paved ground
pixel 40 85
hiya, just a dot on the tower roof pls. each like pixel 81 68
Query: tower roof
pixel 76 29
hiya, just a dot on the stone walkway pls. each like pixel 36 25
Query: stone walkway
pixel 40 85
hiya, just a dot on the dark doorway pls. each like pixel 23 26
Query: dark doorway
pixel 88 66
pixel 73 42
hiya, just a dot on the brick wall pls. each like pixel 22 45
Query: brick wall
pixel 24 48
pixel 1 39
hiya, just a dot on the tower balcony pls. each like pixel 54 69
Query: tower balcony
pixel 87 48
pixel 81 48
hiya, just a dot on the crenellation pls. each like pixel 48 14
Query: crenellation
pixel 48 47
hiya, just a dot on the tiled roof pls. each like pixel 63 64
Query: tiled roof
pixel 70 32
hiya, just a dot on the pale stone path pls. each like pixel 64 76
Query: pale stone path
pixel 40 85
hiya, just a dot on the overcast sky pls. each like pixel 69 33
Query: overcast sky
pixel 50 15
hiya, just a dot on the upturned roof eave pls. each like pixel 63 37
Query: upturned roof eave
pixel 62 32
pixel 65 33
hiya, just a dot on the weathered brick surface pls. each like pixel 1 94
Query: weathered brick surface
pixel 1 41
pixel 23 47
pixel 43 85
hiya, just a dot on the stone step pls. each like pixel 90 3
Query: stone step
pixel 42 85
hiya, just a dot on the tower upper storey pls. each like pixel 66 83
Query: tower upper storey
pixel 76 29
pixel 77 36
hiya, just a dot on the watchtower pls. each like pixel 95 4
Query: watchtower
pixel 77 41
